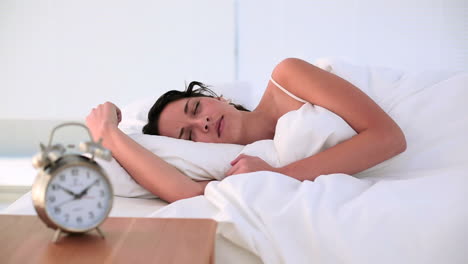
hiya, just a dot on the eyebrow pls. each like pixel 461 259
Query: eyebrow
pixel 185 111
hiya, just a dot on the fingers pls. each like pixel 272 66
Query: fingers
pixel 113 108
pixel 107 108
pixel 234 165
pixel 245 164
pixel 110 106
pixel 102 117
pixel 236 159
pixel 232 171
pixel 240 164
pixel 241 156
pixel 119 114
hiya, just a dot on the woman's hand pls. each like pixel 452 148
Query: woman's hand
pixel 245 163
pixel 103 117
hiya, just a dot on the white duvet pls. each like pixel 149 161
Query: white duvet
pixel 410 209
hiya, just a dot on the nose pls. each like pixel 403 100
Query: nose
pixel 204 124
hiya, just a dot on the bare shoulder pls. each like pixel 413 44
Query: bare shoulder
pixel 276 101
pixel 325 89
pixel 299 77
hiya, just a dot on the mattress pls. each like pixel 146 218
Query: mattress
pixel 122 206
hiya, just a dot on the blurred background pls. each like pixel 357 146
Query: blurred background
pixel 58 59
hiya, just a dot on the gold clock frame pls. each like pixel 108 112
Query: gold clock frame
pixel 50 169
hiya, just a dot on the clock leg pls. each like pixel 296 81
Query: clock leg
pixel 56 235
pixel 100 232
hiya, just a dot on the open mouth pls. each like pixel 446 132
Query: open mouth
pixel 218 125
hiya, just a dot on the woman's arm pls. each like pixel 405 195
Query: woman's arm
pixel 150 171
pixel 379 137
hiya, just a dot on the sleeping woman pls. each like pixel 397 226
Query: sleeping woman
pixel 198 114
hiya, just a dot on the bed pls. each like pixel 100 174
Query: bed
pixel 409 209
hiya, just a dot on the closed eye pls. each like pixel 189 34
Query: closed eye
pixel 195 110
pixel 190 135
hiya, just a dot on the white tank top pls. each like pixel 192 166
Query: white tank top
pixel 287 92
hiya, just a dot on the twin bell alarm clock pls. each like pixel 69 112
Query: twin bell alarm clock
pixel 71 192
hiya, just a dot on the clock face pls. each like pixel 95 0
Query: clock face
pixel 78 198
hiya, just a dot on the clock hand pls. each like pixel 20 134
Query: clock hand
pixel 85 191
pixel 64 202
pixel 68 191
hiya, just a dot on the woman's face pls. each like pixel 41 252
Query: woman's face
pixel 201 119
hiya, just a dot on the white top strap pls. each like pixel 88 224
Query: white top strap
pixel 287 92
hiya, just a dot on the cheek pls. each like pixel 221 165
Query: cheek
pixel 232 130
pixel 163 131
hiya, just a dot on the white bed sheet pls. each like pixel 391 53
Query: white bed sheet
pixel 16 171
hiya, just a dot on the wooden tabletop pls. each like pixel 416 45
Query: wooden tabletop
pixel 26 239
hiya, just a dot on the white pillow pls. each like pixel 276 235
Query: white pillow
pixel 200 161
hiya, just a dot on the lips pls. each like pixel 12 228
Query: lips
pixel 218 125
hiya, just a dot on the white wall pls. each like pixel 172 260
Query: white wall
pixel 60 58
pixel 405 34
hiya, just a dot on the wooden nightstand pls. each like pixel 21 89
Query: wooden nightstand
pixel 25 239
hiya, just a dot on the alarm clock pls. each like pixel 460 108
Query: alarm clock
pixel 71 192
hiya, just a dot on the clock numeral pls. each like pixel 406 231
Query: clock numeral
pixel 67 216
pixel 62 177
pixel 99 205
pixel 57 210
pixel 98 182
pixel 88 175
pixel 74 172
pixel 91 215
pixel 79 219
pixel 102 193
pixel 54 187
pixel 52 198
